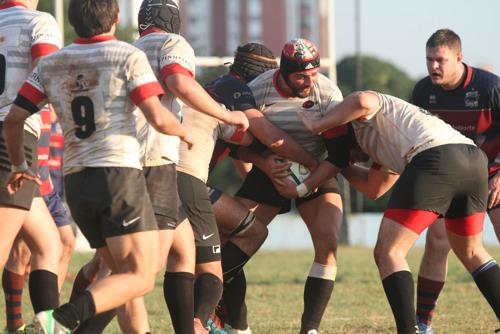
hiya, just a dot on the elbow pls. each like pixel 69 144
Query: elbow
pixel 375 194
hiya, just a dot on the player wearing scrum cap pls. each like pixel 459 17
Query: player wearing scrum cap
pixel 426 152
pixel 95 83
pixel 280 94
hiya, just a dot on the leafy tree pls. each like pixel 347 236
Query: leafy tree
pixel 378 75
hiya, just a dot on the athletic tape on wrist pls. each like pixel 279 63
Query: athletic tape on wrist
pixel 323 271
pixel 23 167
pixel 302 190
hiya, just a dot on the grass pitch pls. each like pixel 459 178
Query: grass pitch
pixel 358 304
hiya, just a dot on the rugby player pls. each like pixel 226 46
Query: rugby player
pixel 93 84
pixel 425 151
pixel 19 260
pixel 468 99
pixel 27 35
pixel 279 94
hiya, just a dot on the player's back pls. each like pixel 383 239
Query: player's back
pixel 89 83
pixel 399 130
pixel 21 29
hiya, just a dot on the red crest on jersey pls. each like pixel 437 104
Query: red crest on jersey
pixel 308 104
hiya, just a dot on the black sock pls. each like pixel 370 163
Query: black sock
pixel 80 284
pixel 71 314
pixel 178 292
pixel 207 293
pixel 317 292
pixel 488 282
pixel 233 305
pixel 43 290
pixel 97 323
pixel 400 291
pixel 233 260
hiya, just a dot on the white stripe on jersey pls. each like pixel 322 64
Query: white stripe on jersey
pixel 399 130
pixel 89 86
pixel 163 49
pixel 20 29
pixel 282 112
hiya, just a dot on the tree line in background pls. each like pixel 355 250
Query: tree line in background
pixel 377 74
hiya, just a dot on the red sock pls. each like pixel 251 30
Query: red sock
pixel 13 285
pixel 427 295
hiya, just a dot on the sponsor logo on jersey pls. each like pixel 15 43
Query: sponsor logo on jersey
pixel 126 223
pixel 432 99
pixel 472 99
pixel 205 237
pixel 216 249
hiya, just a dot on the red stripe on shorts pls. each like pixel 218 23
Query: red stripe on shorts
pixel 415 220
pixel 466 226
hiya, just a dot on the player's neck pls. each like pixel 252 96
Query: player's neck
pixel 459 79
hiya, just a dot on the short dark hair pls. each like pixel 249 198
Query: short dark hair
pixel 444 37
pixel 92 17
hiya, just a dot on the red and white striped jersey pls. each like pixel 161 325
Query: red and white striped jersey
pixel 167 54
pixel 399 130
pixel 93 85
pixel 282 111
pixel 25 35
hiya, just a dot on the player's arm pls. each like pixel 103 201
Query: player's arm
pixel 163 120
pixel 277 140
pixel 192 93
pixel 359 105
pixel 373 182
pixel 274 166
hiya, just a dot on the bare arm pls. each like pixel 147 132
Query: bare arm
pixel 13 127
pixel 163 120
pixel 277 140
pixel 370 181
pixel 355 106
pixel 192 93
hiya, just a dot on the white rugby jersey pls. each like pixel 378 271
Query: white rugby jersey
pixel 25 35
pixel 205 131
pixel 398 131
pixel 167 54
pixel 282 110
pixel 92 84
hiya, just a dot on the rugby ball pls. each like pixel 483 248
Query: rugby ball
pixel 298 173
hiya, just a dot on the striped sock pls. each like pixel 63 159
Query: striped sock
pixel 427 295
pixel 13 285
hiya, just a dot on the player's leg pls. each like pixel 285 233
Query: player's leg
pixel 59 215
pixel 41 235
pixel 494 214
pixel 178 286
pixel 485 271
pixel 161 183
pixel 323 217
pixel 432 274
pixel 13 278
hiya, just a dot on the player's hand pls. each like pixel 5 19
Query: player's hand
pixel 16 180
pixel 239 119
pixel 309 120
pixel 286 188
pixel 277 168
pixel 494 191
pixel 188 139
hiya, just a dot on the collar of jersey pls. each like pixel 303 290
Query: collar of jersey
pixel 150 31
pixel 95 39
pixel 9 4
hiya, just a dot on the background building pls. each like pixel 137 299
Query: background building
pixel 217 27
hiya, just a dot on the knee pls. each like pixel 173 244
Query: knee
pixel 383 254
pixel 68 246
pixel 437 244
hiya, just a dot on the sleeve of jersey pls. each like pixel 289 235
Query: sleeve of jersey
pixel 31 96
pixel 46 37
pixel 236 95
pixel 335 96
pixel 177 56
pixel 142 82
pixel 337 141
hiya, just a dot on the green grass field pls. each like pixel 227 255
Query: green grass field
pixel 358 305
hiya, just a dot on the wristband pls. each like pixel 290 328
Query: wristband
pixel 23 167
pixel 302 190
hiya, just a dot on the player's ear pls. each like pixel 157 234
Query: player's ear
pixel 117 19
pixel 459 56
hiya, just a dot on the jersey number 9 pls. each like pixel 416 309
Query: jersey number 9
pixel 82 109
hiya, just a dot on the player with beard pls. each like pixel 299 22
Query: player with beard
pixel 279 94
pixel 426 152
pixel 468 99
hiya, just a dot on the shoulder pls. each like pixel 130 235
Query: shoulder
pixel 486 78
pixel 262 80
